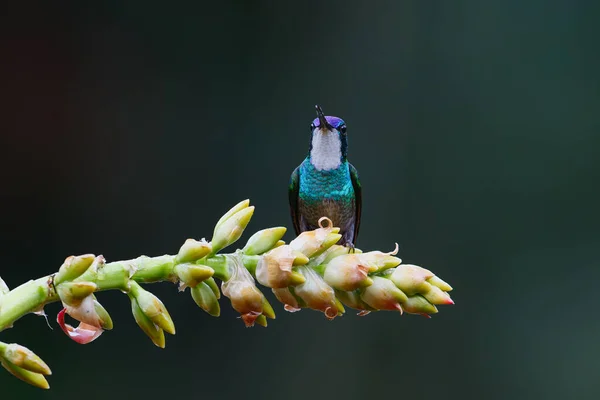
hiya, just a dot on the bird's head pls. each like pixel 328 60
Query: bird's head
pixel 329 143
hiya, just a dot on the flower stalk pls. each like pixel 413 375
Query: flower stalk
pixel 312 271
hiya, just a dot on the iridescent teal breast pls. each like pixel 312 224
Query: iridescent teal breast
pixel 319 185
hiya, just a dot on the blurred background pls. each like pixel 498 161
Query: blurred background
pixel 128 127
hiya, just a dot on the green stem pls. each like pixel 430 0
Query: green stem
pixel 34 295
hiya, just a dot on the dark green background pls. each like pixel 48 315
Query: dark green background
pixel 128 128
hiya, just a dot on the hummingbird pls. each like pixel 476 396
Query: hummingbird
pixel 325 184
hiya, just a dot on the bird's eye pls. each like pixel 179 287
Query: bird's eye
pixel 342 129
pixel 312 127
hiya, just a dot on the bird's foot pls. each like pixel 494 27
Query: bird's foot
pixel 351 248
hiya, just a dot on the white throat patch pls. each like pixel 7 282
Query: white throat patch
pixel 326 150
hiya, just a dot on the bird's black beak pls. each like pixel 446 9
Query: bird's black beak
pixel 322 120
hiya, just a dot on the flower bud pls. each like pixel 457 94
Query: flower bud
pixel 26 376
pixel 435 281
pixel 3 287
pixel 383 295
pixel 412 279
pixel 24 358
pixel 317 294
pixel 285 296
pixel 214 287
pixel 73 267
pixel 192 274
pixel 353 300
pixel 243 293
pixel 155 333
pixel 73 293
pixel 418 305
pixel 105 319
pixel 263 241
pixel 330 254
pixel 231 229
pixel 193 250
pixel 205 297
pixel 349 272
pixel 313 243
pixel 239 206
pixel 274 269
pixel 153 308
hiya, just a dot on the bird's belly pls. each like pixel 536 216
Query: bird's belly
pixel 340 211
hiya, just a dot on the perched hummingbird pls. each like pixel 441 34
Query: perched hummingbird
pixel 326 184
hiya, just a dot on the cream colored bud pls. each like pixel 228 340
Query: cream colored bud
pixel 383 295
pixel 317 294
pixel 263 241
pixel 285 296
pixel 242 291
pixel 349 272
pixel 274 268
pixel 230 230
pixel 313 243
pixel 193 250
pixel 411 279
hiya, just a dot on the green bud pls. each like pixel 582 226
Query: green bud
pixel 239 206
pixel 353 300
pixel 193 250
pixel 435 281
pixel 205 297
pixel 418 305
pixel 192 274
pixel 155 333
pixel 213 285
pixel 29 377
pixel 24 358
pixel 261 320
pixel 106 322
pixel 73 267
pixel 231 229
pixel 153 308
pixel 263 241
pixel 73 293
pixel 3 287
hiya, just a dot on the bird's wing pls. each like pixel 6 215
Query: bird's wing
pixel 358 194
pixel 293 196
